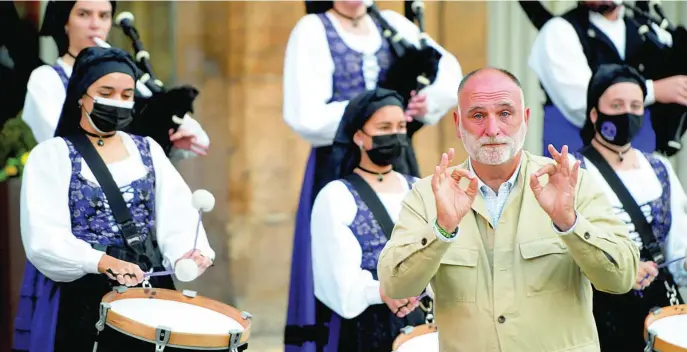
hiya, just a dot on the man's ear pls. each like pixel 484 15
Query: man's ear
pixel 456 121
pixel 593 115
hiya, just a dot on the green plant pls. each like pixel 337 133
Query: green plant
pixel 16 141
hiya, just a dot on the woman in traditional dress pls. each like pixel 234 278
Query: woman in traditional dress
pixel 333 54
pixel 71 230
pixel 349 230
pixel 73 25
pixel 645 193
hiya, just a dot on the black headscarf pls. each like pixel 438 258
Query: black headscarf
pixel 604 77
pixel 345 153
pixel 91 64
pixel 56 17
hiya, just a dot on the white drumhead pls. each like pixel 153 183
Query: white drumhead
pixel 178 316
pixel 423 343
pixel 672 329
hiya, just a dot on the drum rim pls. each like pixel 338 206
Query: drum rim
pixel 178 339
pixel 418 330
pixel 658 314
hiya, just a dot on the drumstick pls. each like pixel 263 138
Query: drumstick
pixel 639 292
pixel 204 201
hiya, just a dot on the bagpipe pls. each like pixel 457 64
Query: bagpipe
pixel 157 109
pixel 415 67
pixel 536 13
pixel 19 37
pixel 661 61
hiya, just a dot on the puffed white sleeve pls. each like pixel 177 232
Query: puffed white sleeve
pixel 676 242
pixel 45 96
pixel 442 94
pixel 559 62
pixel 340 283
pixel 45 217
pixel 176 218
pixel 308 69
pixel 193 126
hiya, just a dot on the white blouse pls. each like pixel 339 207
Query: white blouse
pixel 559 62
pixel 645 188
pixel 308 70
pixel 45 96
pixel 340 282
pixel 46 218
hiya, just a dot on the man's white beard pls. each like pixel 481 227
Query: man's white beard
pixel 493 155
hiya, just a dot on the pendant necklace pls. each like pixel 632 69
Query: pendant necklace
pixel 100 142
pixel 354 20
pixel 621 154
pixel 380 175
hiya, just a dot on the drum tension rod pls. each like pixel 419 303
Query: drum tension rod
pixel 235 340
pixel 104 308
pixel 650 341
pixel 162 335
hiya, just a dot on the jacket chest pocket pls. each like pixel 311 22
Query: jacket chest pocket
pixel 456 279
pixel 547 266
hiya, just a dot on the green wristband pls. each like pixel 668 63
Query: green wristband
pixel 442 231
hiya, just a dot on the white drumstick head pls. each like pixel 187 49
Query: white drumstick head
pixel 203 200
pixel 186 270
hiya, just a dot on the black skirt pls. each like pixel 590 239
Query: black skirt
pixel 620 318
pixel 375 329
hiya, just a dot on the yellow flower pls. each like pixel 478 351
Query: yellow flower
pixel 11 170
pixel 24 157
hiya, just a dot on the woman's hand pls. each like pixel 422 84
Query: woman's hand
pixel 400 307
pixel 202 261
pixel 125 273
pixel 646 274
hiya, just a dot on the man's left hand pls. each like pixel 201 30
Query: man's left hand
pixel 202 261
pixel 557 198
pixel 417 106
pixel 183 139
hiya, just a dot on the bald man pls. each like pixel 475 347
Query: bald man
pixel 511 242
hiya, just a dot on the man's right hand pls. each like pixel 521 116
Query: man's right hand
pixel 452 202
pixel 125 273
pixel 671 90
pixel 400 307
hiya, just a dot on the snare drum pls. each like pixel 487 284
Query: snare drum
pixel 421 338
pixel 665 329
pixel 151 319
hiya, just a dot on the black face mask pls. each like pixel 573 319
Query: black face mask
pixel 110 115
pixel 618 129
pixel 602 8
pixel 387 148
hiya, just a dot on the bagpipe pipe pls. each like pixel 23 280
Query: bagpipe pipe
pixel 659 61
pixel 415 67
pixel 157 109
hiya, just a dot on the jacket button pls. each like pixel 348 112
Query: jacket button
pixel 502 319
pixel 424 241
pixel 586 235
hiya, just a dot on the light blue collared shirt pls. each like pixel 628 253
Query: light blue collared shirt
pixel 495 201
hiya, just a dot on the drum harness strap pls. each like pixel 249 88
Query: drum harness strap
pixel 138 249
pixel 652 249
